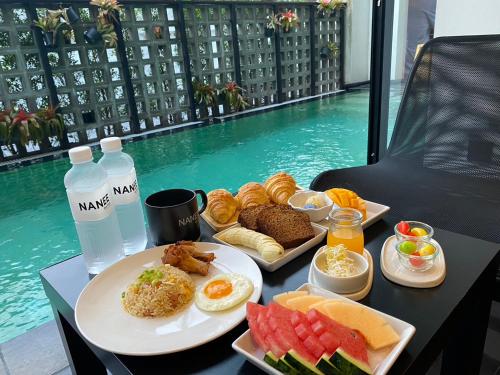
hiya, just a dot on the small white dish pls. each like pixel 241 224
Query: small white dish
pixel 341 285
pixel 359 295
pixel 395 271
pixel 299 199
pixel 374 212
pixel 380 361
pixel 288 256
pixel 102 320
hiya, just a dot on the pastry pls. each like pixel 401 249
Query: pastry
pixel 280 187
pixel 288 227
pixel 252 194
pixel 347 198
pixel 221 205
pixel 267 247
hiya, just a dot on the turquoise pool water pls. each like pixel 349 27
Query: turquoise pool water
pixel 35 220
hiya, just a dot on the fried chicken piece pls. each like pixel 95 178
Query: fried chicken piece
pixel 190 246
pixel 179 255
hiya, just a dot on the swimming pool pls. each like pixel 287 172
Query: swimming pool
pixel 36 225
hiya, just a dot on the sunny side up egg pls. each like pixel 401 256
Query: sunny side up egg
pixel 223 291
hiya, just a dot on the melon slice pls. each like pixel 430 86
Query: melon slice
pixel 377 332
pixel 303 303
pixel 319 305
pixel 283 297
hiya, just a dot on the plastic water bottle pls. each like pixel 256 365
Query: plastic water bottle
pixel 124 192
pixel 92 208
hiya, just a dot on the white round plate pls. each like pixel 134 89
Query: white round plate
pixel 102 320
pixel 356 296
pixel 396 272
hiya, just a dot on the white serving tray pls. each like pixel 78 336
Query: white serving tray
pixel 396 272
pixel 380 361
pixel 354 296
pixel 374 212
pixel 289 255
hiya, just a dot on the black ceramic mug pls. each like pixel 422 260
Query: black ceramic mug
pixel 173 215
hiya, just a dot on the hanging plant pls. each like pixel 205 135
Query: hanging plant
pixel 105 28
pixel 233 94
pixel 204 95
pixel 20 126
pixel 327 7
pixel 51 121
pixel 331 50
pixel 50 24
pixel 289 20
pixel 272 25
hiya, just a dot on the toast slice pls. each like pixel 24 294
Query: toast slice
pixel 248 216
pixel 288 227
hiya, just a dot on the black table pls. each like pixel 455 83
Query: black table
pixel 452 316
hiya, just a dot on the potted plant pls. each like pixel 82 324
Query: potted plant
pixel 20 126
pixel 289 20
pixel 273 22
pixel 329 51
pixel 104 29
pixel 204 95
pixel 71 15
pixel 51 121
pixel 232 93
pixel 49 25
pixel 157 32
pixel 326 7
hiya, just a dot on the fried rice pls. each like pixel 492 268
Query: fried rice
pixel 158 291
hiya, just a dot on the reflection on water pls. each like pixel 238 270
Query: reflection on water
pixel 35 220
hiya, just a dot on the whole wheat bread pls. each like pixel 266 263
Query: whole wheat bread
pixel 288 227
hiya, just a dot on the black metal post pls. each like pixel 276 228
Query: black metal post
pixel 122 52
pixel 312 42
pixel 342 48
pixel 49 79
pixel 380 70
pixel 186 59
pixel 277 52
pixel 236 44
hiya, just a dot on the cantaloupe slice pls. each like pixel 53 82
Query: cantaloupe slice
pixel 283 297
pixel 319 305
pixel 303 303
pixel 377 332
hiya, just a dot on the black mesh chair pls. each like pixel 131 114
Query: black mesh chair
pixel 443 162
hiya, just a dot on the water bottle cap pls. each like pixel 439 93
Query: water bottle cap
pixel 81 154
pixel 111 144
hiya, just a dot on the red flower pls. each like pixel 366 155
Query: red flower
pixel 231 86
pixel 21 116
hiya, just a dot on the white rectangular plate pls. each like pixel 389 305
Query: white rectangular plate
pixel 374 212
pixel 289 255
pixel 380 360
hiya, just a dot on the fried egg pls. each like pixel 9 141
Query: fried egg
pixel 223 291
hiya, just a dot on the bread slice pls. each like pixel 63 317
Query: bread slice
pixel 288 227
pixel 248 216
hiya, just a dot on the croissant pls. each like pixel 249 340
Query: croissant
pixel 267 247
pixel 221 205
pixel 280 187
pixel 252 194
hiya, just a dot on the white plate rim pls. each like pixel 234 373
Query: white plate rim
pixel 290 254
pixel 382 368
pixel 255 297
pixel 438 280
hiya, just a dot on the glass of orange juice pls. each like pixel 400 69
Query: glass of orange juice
pixel 345 228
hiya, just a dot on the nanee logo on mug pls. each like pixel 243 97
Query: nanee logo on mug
pixel 188 220
pixel 173 215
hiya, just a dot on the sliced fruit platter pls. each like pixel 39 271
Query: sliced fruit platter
pixel 313 331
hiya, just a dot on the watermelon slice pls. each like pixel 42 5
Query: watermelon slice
pixel 314 346
pixel 254 309
pixel 275 346
pixel 298 317
pixel 258 336
pixel 278 311
pixel 293 342
pixel 303 330
pixel 330 341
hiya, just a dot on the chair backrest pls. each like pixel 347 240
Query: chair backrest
pixel 449 117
